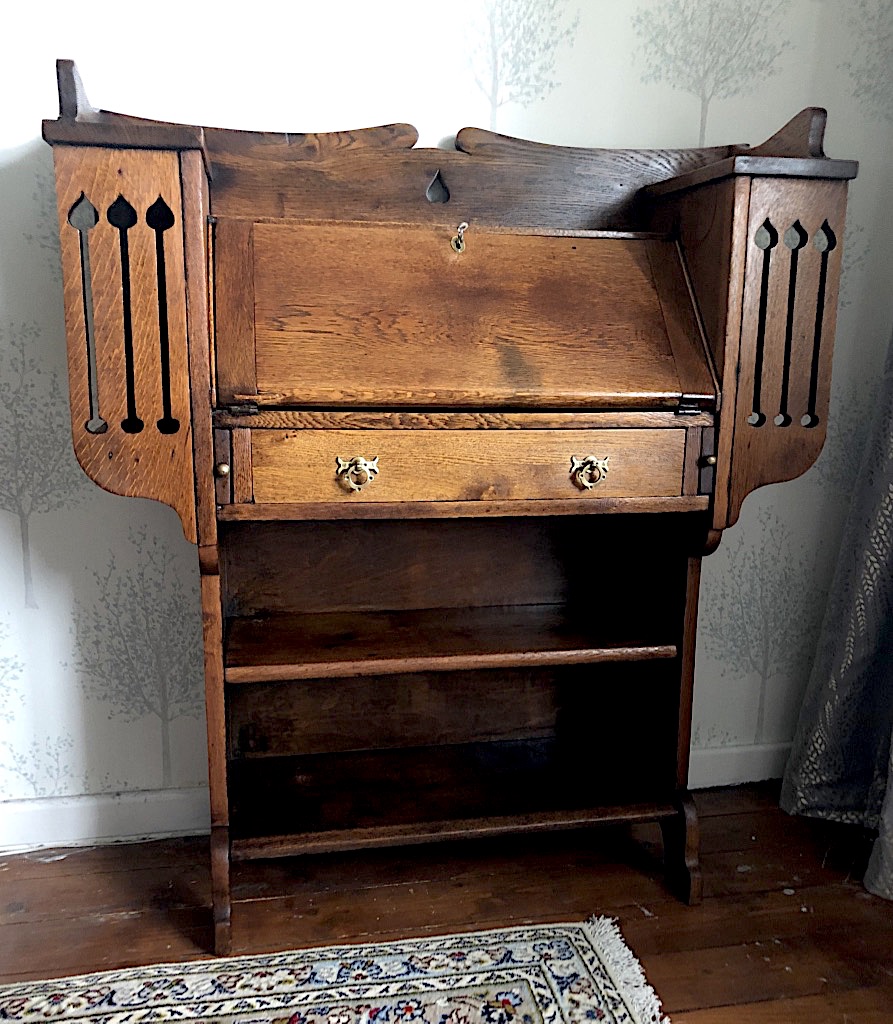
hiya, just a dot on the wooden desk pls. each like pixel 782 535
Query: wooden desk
pixel 452 432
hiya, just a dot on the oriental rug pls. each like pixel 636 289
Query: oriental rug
pixel 541 974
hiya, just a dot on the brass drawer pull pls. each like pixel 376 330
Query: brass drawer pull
pixel 588 471
pixel 353 474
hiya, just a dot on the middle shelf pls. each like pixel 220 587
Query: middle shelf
pixel 280 647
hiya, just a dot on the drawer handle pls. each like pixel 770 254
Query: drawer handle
pixel 588 471
pixel 353 474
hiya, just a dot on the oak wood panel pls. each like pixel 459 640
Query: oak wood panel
pixel 320 511
pixel 81 124
pixel 492 179
pixel 242 473
pixel 702 218
pixel 725 436
pixel 712 223
pixel 215 706
pixel 384 836
pixel 194 185
pixel 684 331
pixel 317 419
pixel 148 463
pixel 689 629
pixel 769 453
pixel 223 456
pixel 802 136
pixel 456 465
pixel 758 166
pixel 692 469
pixel 337 644
pixel 278 719
pixel 215 715
pixel 393 564
pixel 234 311
pixel 514 320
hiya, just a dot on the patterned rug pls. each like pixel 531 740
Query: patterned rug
pixel 543 974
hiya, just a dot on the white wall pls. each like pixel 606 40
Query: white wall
pixel 111 612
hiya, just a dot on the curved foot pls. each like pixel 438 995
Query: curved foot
pixel 682 841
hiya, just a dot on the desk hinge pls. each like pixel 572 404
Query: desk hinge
pixel 243 409
pixel 687 407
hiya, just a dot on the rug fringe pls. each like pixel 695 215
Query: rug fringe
pixel 625 969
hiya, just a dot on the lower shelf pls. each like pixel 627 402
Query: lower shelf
pixel 338 644
pixel 340 840
pixel 584 774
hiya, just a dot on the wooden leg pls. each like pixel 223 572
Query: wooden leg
pixel 223 937
pixel 682 841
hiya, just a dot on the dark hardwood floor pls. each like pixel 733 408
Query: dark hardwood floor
pixel 786 933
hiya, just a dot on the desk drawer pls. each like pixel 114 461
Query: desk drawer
pixel 464 465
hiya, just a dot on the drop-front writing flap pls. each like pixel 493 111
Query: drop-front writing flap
pixel 395 316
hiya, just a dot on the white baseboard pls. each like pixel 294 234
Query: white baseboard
pixel 102 818
pixel 733 765
pixel 157 814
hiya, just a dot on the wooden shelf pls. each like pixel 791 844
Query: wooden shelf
pixel 317 510
pixel 380 797
pixel 339 644
pixel 340 840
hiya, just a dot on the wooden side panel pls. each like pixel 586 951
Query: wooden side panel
pixel 792 273
pixel 234 311
pixel 125 315
pixel 212 632
pixel 451 465
pixel 195 240
pixel 702 217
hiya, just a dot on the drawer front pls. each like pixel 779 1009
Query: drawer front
pixel 464 465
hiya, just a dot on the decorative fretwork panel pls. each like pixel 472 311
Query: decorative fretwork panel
pixel 125 311
pixel 792 273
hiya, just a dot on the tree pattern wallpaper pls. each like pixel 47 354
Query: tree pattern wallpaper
pixel 100 659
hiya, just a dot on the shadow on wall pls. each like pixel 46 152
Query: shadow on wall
pixel 38 471
pixel 99 616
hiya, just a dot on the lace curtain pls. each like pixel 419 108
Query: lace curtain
pixel 840 766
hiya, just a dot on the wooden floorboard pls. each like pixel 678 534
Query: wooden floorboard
pixel 785 934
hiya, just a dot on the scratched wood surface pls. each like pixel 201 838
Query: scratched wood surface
pixel 375 174
pixel 343 311
pixel 785 935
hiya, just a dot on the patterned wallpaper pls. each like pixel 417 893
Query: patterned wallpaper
pixel 100 674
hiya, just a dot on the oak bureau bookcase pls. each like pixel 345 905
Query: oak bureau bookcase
pixel 452 431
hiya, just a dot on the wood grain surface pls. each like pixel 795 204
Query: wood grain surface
pixel 353 419
pixel 197 263
pixel 147 464
pixel 457 465
pixel 375 175
pixel 518 320
pixel 752 952
pixel 770 453
pixel 339 644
